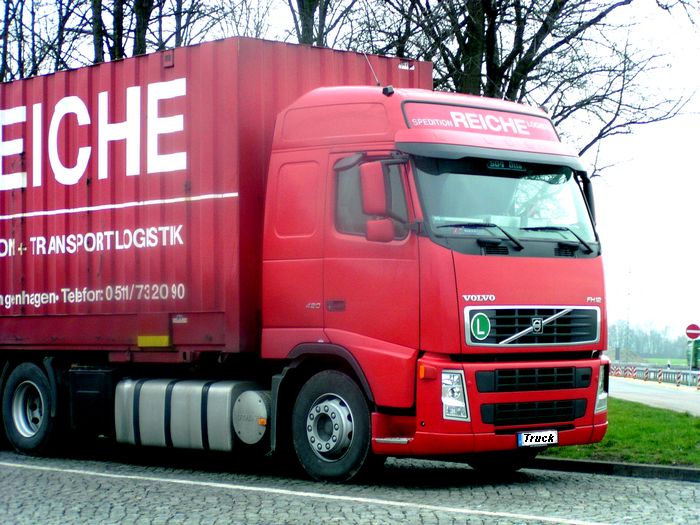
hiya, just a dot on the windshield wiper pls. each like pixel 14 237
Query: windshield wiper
pixel 588 247
pixel 515 241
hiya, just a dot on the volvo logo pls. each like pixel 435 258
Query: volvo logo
pixel 479 298
pixel 537 325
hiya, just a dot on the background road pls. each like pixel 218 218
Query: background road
pixel 664 395
pixel 128 485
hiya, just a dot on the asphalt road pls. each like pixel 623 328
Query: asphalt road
pixel 131 486
pixel 664 395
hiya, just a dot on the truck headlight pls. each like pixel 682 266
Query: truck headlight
pixel 454 396
pixel 601 404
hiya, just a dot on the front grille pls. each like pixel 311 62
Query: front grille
pixel 512 414
pixel 527 326
pixel 530 379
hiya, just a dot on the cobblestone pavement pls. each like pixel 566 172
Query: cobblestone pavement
pixel 132 486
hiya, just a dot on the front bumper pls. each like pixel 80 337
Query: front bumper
pixel 438 444
pixel 567 408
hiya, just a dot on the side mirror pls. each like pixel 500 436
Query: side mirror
pixel 373 189
pixel 380 230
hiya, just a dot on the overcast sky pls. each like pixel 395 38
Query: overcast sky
pixel 649 202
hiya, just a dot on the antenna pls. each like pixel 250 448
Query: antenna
pixel 376 78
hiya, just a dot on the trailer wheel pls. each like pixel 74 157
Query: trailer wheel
pixel 331 427
pixel 26 409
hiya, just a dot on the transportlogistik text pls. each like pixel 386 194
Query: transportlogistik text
pixel 149 237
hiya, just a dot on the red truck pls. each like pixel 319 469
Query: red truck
pixel 252 244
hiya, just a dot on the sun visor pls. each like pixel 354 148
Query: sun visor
pixel 440 147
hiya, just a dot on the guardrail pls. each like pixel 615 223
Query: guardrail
pixel 656 373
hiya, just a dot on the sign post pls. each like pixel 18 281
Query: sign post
pixel 693 332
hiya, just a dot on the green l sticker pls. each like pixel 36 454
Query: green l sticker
pixel 481 326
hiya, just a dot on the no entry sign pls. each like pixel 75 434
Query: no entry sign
pixel 693 331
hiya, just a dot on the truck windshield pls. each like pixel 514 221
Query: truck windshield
pixel 503 199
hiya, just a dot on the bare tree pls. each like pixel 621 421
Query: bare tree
pixel 64 41
pixel 42 36
pixel 566 55
pixel 8 17
pixel 178 23
pixel 316 20
pixel 563 54
pixel 244 17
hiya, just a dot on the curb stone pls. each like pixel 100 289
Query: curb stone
pixel 631 470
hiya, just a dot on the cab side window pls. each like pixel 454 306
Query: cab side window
pixel 349 217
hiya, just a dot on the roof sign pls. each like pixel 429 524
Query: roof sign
pixel 478 120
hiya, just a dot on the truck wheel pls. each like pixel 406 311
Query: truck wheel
pixel 331 427
pixel 26 409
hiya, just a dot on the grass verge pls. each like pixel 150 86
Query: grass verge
pixel 641 434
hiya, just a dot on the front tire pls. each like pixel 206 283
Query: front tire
pixel 331 427
pixel 26 410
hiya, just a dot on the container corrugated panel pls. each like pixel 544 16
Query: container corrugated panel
pixel 131 192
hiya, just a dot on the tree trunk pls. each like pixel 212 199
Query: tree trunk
pixel 142 12
pixel 34 69
pixel 307 14
pixel 117 50
pixel 7 17
pixel 178 23
pixel 98 35
pixel 60 36
pixel 473 48
pixel 322 14
pixel 19 58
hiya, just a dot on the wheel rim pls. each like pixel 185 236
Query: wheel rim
pixel 28 409
pixel 330 427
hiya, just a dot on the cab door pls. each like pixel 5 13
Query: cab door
pixel 371 293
